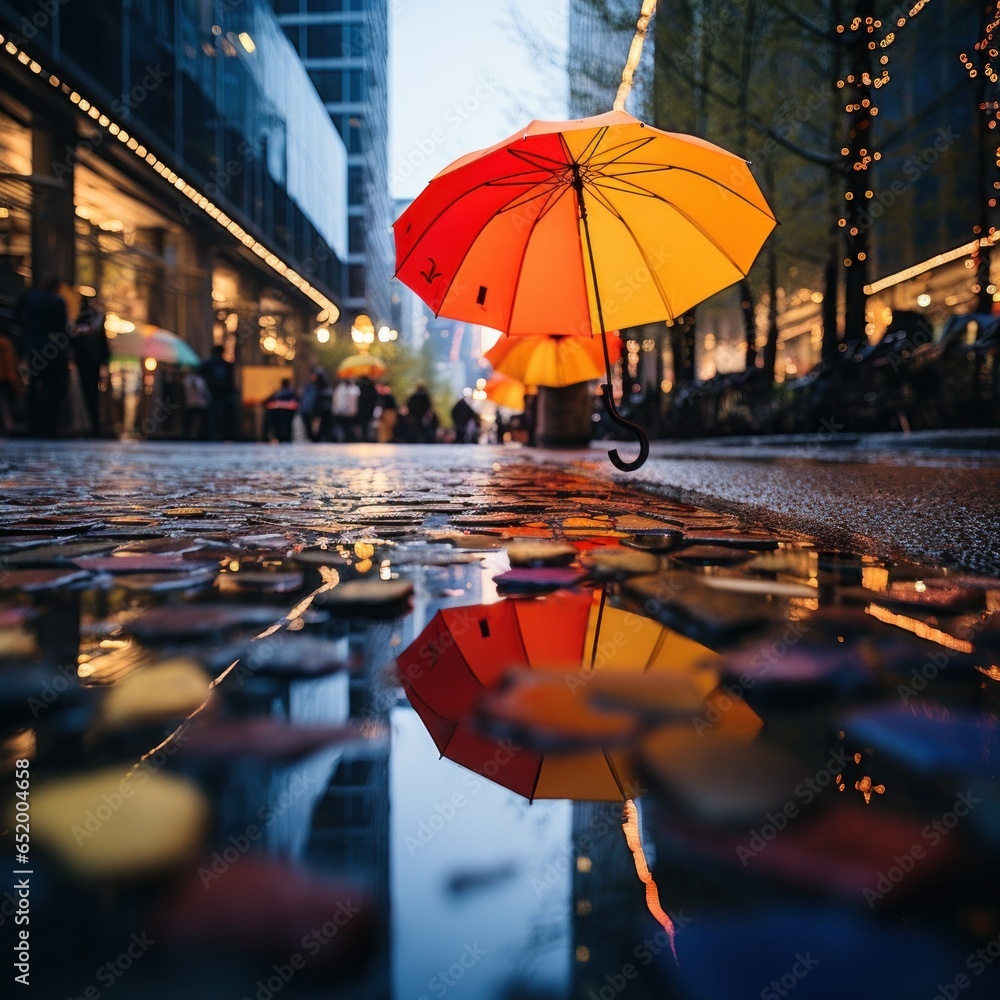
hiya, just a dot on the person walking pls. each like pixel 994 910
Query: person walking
pixel 197 400
pixel 91 354
pixel 368 399
pixel 281 406
pixel 466 422
pixel 316 406
pixel 345 410
pixel 388 415
pixel 10 383
pixel 420 410
pixel 219 376
pixel 42 314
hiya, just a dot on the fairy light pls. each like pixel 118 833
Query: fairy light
pixel 873 39
pixel 983 60
pixel 129 142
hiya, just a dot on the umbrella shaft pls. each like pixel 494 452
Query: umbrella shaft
pixel 578 184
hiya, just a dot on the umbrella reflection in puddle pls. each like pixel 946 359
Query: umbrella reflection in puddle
pixel 549 697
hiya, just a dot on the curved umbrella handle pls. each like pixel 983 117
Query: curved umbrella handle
pixel 613 413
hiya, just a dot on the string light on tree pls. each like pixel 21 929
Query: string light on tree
pixel 981 65
pixel 866 41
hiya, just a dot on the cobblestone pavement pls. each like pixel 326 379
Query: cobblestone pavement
pixel 229 672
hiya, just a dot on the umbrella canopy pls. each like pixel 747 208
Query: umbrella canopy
pixel 582 227
pixel 357 365
pixel 148 341
pixel 505 391
pixel 552 361
pixel 464 653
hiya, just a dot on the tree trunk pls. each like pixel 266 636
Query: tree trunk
pixel 831 290
pixel 859 145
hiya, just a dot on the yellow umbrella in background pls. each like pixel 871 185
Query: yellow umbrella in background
pixel 357 365
pixel 505 391
pixel 552 361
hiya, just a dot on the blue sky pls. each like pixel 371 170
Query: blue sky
pixel 464 75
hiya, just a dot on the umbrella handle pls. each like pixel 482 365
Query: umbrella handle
pixel 616 459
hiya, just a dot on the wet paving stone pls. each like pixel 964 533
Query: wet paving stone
pixel 317 651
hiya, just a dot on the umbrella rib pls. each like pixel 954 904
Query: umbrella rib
pixel 659 168
pixel 480 231
pixel 585 154
pixel 559 192
pixel 538 160
pixel 614 772
pixel 657 646
pixel 680 211
pixel 448 207
pixel 538 776
pixel 634 144
pixel 671 314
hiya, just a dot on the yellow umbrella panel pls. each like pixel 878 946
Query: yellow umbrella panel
pixel 552 361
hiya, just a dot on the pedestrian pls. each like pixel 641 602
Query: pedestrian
pixel 316 406
pixel 10 383
pixel 197 400
pixel 345 410
pixel 368 399
pixel 420 410
pixel 466 422
pixel 91 354
pixel 219 376
pixel 388 415
pixel 281 406
pixel 42 314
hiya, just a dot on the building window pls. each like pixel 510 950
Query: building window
pixel 286 6
pixel 355 185
pixel 355 234
pixel 351 131
pixel 357 78
pixel 324 41
pixel 292 33
pixel 356 281
pixel 333 6
pixel 329 84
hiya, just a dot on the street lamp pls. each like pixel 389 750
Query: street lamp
pixel 363 332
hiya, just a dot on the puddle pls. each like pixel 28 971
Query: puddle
pixel 389 734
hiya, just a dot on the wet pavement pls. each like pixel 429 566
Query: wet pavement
pixel 416 722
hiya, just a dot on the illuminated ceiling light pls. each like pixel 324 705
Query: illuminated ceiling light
pixel 323 335
pixel 923 300
pixel 149 364
pixel 383 334
pixel 247 42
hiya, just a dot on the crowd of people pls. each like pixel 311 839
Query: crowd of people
pixel 54 364
pixel 61 348
pixel 346 410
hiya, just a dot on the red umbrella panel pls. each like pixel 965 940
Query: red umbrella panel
pixel 463 653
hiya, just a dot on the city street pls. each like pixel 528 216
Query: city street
pixel 273 611
pixel 499 501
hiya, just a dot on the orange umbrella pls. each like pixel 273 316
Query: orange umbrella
pixel 505 391
pixel 455 667
pixel 582 227
pixel 552 361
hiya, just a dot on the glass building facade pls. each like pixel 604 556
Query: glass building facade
pixel 174 157
pixel 344 47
